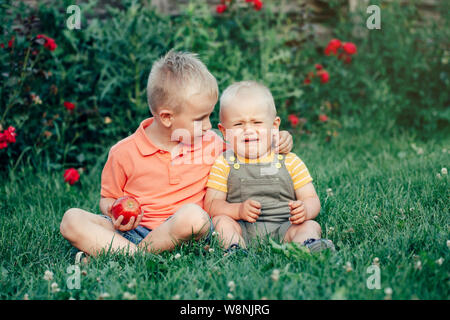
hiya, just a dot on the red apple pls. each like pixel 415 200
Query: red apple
pixel 127 207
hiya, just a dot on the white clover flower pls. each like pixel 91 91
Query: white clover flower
pixel 104 295
pixel 348 266
pixel 440 261
pixel 211 250
pixel 176 297
pixel 54 287
pixel 231 285
pixel 132 284
pixel 330 229
pixel 438 175
pixel 129 296
pixel 418 265
pixel 199 292
pixel 230 295
pixel 177 256
pixel 448 244
pixel 48 275
pixel 376 261
pixel 275 276
pixel 388 291
pixel 214 234
pixel 330 192
pixel 444 171
pixel 26 296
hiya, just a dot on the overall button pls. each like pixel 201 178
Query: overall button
pixel 236 166
pixel 278 165
pixel 280 157
pixel 232 158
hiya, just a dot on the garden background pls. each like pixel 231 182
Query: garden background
pixel 368 111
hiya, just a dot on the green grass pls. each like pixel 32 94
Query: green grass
pixel 387 202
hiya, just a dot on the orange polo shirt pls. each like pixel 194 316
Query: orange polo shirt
pixel 161 181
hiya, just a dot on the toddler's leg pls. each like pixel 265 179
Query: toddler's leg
pixel 229 230
pixel 92 233
pixel 301 232
pixel 189 220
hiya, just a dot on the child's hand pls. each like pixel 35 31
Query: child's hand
pixel 298 212
pixel 284 142
pixel 132 224
pixel 249 210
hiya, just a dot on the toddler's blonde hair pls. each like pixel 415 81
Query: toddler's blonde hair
pixel 248 87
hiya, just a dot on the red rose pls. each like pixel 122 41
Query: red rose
pixel 11 42
pixel 3 142
pixel 293 119
pixel 9 135
pixel 2 45
pixel 333 46
pixel 221 8
pixel 69 105
pixel 307 81
pixel 49 43
pixel 257 4
pixel 324 76
pixel 71 176
pixel 323 118
pixel 349 48
pixel 318 66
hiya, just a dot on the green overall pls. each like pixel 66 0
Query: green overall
pixel 268 183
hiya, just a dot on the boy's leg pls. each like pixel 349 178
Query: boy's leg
pixel 189 220
pixel 230 232
pixel 92 233
pixel 301 232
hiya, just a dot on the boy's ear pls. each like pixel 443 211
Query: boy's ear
pixel 166 117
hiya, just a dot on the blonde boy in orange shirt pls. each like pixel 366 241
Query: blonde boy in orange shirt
pixel 165 165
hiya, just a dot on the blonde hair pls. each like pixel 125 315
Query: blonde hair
pixel 175 77
pixel 248 86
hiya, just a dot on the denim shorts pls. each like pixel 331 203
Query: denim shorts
pixel 138 234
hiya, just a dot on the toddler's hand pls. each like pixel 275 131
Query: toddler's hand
pixel 132 224
pixel 249 210
pixel 283 142
pixel 298 212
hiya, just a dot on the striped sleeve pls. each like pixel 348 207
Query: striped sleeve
pixel 218 176
pixel 298 171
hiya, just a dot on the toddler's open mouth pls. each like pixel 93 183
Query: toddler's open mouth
pixel 250 140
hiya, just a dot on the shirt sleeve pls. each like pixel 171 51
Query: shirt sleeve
pixel 218 176
pixel 298 171
pixel 113 177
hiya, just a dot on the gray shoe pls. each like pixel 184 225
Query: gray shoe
pixel 316 245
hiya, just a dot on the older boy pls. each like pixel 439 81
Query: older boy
pixel 164 165
pixel 252 191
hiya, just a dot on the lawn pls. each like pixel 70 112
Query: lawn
pixel 382 201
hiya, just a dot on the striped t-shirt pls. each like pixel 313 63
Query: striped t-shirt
pixel 218 175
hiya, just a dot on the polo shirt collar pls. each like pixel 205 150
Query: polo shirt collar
pixel 146 146
pixel 143 142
